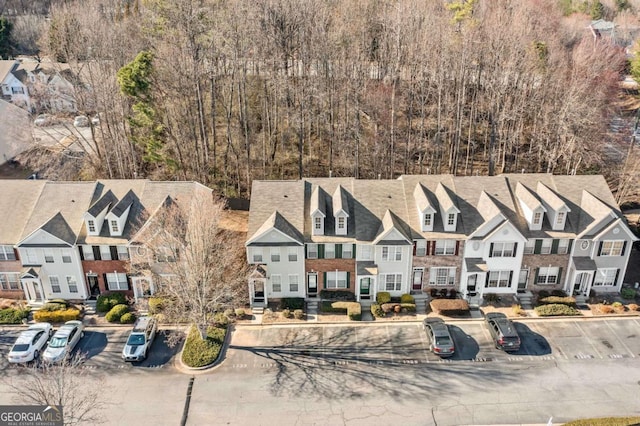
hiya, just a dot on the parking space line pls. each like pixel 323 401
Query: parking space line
pixel 587 338
pixel 620 340
pixel 393 358
pixel 423 340
pixel 552 342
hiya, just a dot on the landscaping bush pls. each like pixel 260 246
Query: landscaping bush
pixel 240 313
pixel 376 310
pixel 633 307
pixel 553 300
pixel 606 421
pixel 616 304
pixel 286 313
pixel 156 304
pixel 628 293
pixel 298 314
pixel 116 313
pixel 398 307
pixel 383 297
pixel 51 306
pixel 127 318
pixel 408 307
pixel 558 293
pixel 64 315
pixel 220 319
pixel 107 301
pixel 230 313
pixel 198 352
pixel 292 303
pixel 543 293
pixel 453 293
pixel 517 310
pixel 326 306
pixel 345 295
pixel 556 309
pixel 387 307
pixel 450 306
pixel 605 309
pixel 407 298
pixel 13 315
pixel 491 297
pixel 354 309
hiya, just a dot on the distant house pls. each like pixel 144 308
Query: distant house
pixel 13 137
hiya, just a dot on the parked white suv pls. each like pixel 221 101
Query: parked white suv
pixel 140 339
pixel 29 344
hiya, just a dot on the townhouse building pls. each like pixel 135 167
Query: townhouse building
pixel 436 234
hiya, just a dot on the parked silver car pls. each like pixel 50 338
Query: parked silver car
pixel 30 342
pixel 63 342
pixel 140 339
pixel 440 340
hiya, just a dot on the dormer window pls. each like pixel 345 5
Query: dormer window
pixel 537 218
pixel 560 218
pixel 342 221
pixel 114 226
pixel 91 224
pixel 317 223
pixel 451 219
pixel 427 220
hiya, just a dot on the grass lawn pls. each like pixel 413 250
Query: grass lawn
pixel 198 352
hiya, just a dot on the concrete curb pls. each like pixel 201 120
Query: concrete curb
pixel 185 369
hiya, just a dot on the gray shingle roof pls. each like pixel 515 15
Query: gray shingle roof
pixel 277 221
pixel 59 228
pixel 126 202
pixel 527 196
pixel 391 221
pixel 106 201
pixel 18 197
pixel 340 200
pixel 318 201
pixel 285 197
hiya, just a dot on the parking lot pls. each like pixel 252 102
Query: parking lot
pixel 542 341
pixel 102 348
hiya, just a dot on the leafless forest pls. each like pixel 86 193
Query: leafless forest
pixel 238 90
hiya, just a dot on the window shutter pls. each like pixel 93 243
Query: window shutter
pixel 559 275
pixel 554 246
pixel 128 282
pixel 338 251
pixel 354 251
pixel 457 247
pixel 114 252
pixel 486 281
pixel 81 252
pixel 96 253
pixel 305 252
pixel 491 250
pixel 600 248
pixel 535 278
pixel 433 247
pixel 324 280
pixel 415 245
pixel 624 247
pixel 537 247
pixel 615 283
pixel 428 251
pixel 510 278
pixel 515 249
pixel 320 251
pixel 569 246
pixel 348 279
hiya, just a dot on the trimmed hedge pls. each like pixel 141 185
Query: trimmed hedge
pixel 556 309
pixel 344 295
pixel 116 313
pixel 353 309
pixel 156 304
pixel 107 301
pixel 376 310
pixel 556 300
pixel 127 318
pixel 393 307
pixel 606 421
pixel 407 298
pixel 298 314
pixel 383 297
pixel 292 303
pixel 63 315
pixel 449 306
pixel 53 306
pixel 628 293
pixel 13 315
pixel 198 352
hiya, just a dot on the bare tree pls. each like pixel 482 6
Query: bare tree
pixel 80 392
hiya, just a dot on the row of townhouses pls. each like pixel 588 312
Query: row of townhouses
pixel 476 235
pixel 75 240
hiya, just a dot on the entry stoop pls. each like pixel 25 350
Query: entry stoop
pixel 257 310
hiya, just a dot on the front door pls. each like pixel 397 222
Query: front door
pixel 142 287
pixel 471 284
pixel 312 284
pixel 34 294
pixel 580 283
pixel 365 288
pixel 417 279
pixel 522 280
pixel 258 291
pixel 94 288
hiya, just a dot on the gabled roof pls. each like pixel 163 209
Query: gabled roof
pixel 107 200
pixel 487 206
pixel 286 197
pixel 278 222
pixel 122 206
pixel 528 197
pixel 5 68
pixel 318 202
pixel 340 201
pixel 424 199
pixel 390 222
pixel 17 196
pixel 446 198
pixel 549 197
pixel 59 228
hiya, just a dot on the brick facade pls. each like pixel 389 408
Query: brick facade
pixel 328 265
pixel 102 267
pixel 12 266
pixel 535 261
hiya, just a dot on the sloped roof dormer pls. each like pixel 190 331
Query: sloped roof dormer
pixel 556 208
pixel 94 217
pixel 426 206
pixel 448 209
pixel 531 206
pixel 340 210
pixel 117 216
pixel 317 211
pixel 392 229
pixel 276 230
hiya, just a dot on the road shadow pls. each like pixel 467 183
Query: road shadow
pixel 92 344
pixel 531 343
pixel 161 351
pixel 466 346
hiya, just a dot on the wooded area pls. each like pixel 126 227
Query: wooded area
pixel 224 92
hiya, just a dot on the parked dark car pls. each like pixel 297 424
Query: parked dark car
pixel 503 332
pixel 440 340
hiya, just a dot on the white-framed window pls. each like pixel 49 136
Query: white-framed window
pixel 612 248
pixel 548 275
pixel 342 224
pixel 317 223
pixel 347 251
pixel 392 282
pixel 91 224
pixel 55 283
pixel 337 279
pixel 66 257
pixel 529 246
pixel 293 283
pixel 445 247
pixel 605 277
pixel 9 281
pixel 275 255
pixel 427 220
pixel 499 279
pixel 329 251
pixel 123 253
pixel 366 252
pixel 105 253
pixel 117 281
pixel 442 276
pixel 87 253
pixel 72 283
pixel 276 283
pixel 537 218
pixel 421 247
pixel 451 219
pixel 256 254
pixel 293 254
pixel 312 251
pixel 391 253
pixel 563 246
pixel 546 246
pixel 114 226
pixel 32 256
pixel 503 250
pixel 48 256
pixel 7 253
pixel 560 218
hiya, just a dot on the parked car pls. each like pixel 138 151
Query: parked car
pixel 95 120
pixel 81 121
pixel 42 120
pixel 63 341
pixel 440 340
pixel 140 339
pixel 30 342
pixel 503 332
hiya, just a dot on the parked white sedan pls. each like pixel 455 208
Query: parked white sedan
pixel 63 342
pixel 29 344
